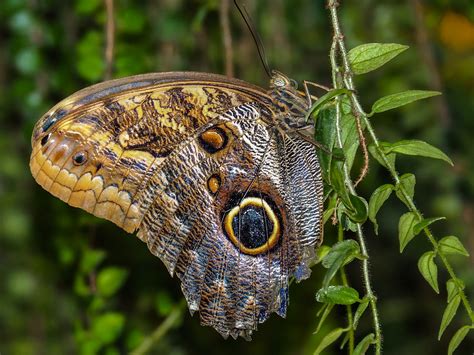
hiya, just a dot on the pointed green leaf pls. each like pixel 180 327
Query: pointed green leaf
pixel 358 210
pixel 370 56
pixel 405 229
pixel 337 180
pixel 457 338
pixel 107 327
pixel 349 138
pixel 324 311
pixel 110 279
pixel 425 223
pixel 328 214
pixel 338 295
pixel 345 248
pixel 428 269
pixel 449 314
pixel 328 340
pixel 364 344
pixel 390 157
pixel 378 198
pixel 360 311
pixel 325 134
pixel 407 183
pixel 400 99
pixel 417 148
pixel 90 259
pixel 452 245
pixel 323 100
pixel 340 254
pixel 453 289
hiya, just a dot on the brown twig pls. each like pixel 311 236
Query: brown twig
pixel 226 37
pixel 110 39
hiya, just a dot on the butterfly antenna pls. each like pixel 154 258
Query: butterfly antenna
pixel 256 37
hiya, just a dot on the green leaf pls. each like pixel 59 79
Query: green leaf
pixel 453 289
pixel 107 327
pixel 407 183
pixel 344 248
pixel 452 245
pixel 338 295
pixel 360 311
pixel 358 209
pixel 323 100
pixel 90 259
pixel 163 303
pixel 370 56
pixel 428 269
pixel 326 310
pixel 87 7
pixel 321 252
pixel 89 59
pixel 349 138
pixel 378 198
pixel 325 134
pixel 337 180
pixel 457 338
pixel 341 253
pixel 400 99
pixel 405 229
pixel 330 338
pixel 425 223
pixel 449 314
pixel 417 148
pixel 364 344
pixel 390 157
pixel 110 279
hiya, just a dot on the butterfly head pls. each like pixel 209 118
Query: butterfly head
pixel 292 103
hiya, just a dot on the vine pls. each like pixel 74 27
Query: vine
pixel 341 124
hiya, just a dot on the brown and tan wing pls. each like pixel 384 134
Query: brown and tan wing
pixel 230 205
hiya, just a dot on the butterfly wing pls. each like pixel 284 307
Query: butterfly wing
pixel 229 203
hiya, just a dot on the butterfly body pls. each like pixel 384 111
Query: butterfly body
pixel 209 172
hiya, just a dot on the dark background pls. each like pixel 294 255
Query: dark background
pixel 49 49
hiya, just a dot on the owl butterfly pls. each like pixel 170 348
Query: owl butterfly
pixel 217 176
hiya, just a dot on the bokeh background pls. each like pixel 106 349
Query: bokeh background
pixel 52 255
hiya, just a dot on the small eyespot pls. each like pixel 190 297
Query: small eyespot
pixel 79 158
pixel 45 139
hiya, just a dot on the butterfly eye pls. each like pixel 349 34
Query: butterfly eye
pixel 279 82
pixel 252 226
pixel 79 158
pixel 294 83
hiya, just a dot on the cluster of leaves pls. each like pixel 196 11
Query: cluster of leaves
pixel 337 129
pixel 97 286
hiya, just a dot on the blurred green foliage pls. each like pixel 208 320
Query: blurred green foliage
pixel 71 283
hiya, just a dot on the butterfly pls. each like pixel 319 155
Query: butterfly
pixel 220 178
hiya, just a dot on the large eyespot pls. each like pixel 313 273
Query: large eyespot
pixel 79 158
pixel 252 226
pixel 213 140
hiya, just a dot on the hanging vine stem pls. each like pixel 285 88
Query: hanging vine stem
pixel 339 46
pixel 335 49
pixel 360 235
